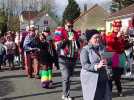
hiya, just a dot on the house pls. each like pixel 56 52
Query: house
pixel 39 19
pixel 91 19
pixel 125 15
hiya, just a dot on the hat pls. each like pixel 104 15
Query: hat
pixel 90 33
pixel 117 23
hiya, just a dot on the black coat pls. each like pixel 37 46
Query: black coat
pixel 45 56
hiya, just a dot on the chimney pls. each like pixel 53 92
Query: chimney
pixel 85 7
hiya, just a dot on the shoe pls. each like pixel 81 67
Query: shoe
pixel 66 98
pixel 37 77
pixel 44 85
pixel 30 76
pixel 63 97
pixel 120 94
pixel 50 85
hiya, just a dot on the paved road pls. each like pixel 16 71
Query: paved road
pixel 14 85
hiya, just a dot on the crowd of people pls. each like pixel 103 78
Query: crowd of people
pixel 103 56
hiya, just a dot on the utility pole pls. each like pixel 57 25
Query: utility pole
pixel 22 5
pixel 8 14
pixel 42 3
pixel 2 6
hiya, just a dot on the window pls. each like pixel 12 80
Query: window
pixel 45 22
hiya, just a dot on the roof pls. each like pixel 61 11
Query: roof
pixel 29 15
pixel 86 12
pixel 33 15
pixel 122 13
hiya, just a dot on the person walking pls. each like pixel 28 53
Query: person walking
pixel 47 57
pixel 66 40
pixel 93 75
pixel 115 44
pixel 31 50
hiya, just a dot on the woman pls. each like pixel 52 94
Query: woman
pixel 93 75
pixel 46 62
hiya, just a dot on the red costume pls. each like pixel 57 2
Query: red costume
pixel 62 36
pixel 113 42
pixel 115 45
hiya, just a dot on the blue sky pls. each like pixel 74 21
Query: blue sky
pixel 61 4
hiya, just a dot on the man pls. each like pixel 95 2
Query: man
pixel 67 46
pixel 31 53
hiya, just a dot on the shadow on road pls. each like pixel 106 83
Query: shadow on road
pixel 59 84
pixel 12 76
pixel 6 87
pixel 29 95
pixel 128 89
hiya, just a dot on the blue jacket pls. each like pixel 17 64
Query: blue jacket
pixel 30 43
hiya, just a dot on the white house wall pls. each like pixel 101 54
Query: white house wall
pixel 39 22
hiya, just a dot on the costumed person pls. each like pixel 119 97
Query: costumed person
pixel 67 45
pixel 31 52
pixel 46 61
pixel 50 58
pixel 52 48
pixel 93 75
pixel 115 45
